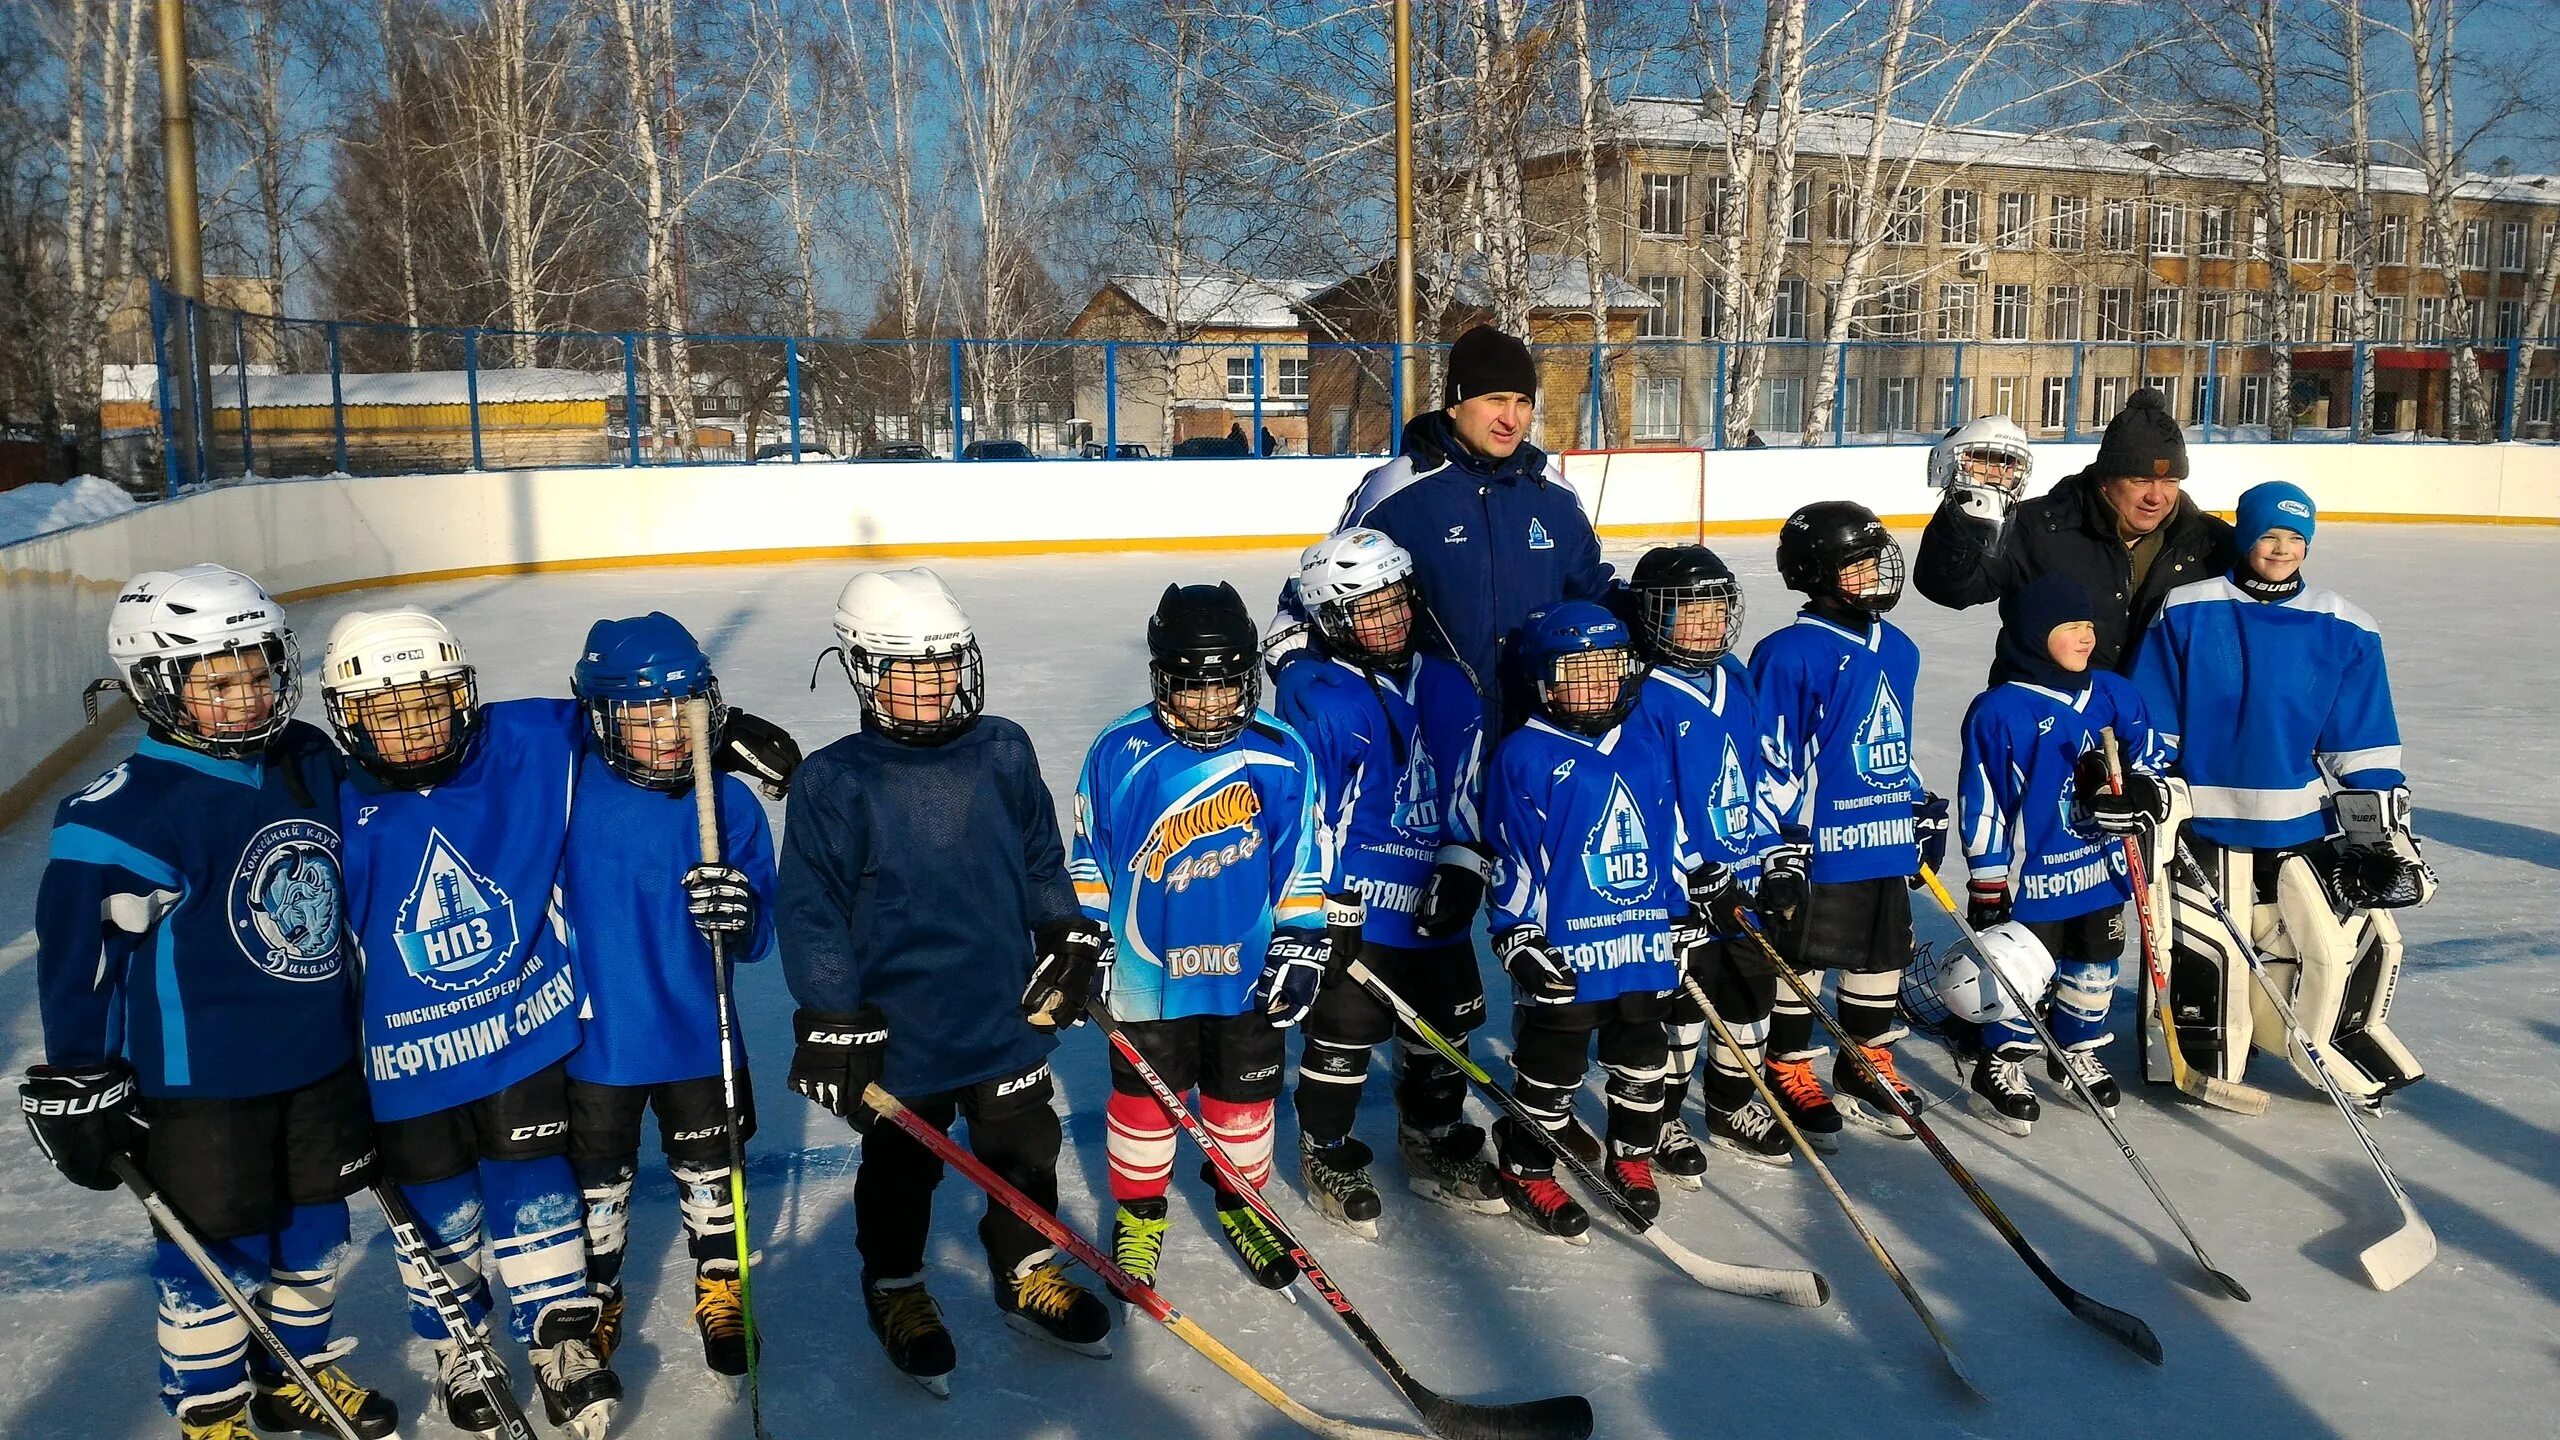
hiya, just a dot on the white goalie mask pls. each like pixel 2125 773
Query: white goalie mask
pixel 1986 462
pixel 911 654
pixel 1957 982
pixel 207 657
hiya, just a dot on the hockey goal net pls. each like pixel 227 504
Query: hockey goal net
pixel 1650 486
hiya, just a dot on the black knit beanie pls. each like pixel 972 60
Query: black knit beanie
pixel 1485 361
pixel 2028 617
pixel 2143 440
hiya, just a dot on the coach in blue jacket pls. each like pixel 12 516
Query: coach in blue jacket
pixel 1494 530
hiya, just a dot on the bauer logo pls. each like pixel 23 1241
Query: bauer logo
pixel 285 900
pixel 1615 857
pixel 457 927
pixel 1883 749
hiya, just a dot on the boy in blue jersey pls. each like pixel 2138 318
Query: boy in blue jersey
pixel 642 905
pixel 932 942
pixel 1196 844
pixel 2271 692
pixel 189 913
pixel 458 818
pixel 1836 690
pixel 2039 822
pixel 1394 737
pixel 1584 830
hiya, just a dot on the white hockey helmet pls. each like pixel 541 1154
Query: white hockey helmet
pixel 402 694
pixel 1338 572
pixel 164 621
pixel 1957 982
pixel 1992 439
pixel 911 654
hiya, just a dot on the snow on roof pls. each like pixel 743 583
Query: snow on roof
pixel 422 387
pixel 1555 282
pixel 1237 302
pixel 1663 120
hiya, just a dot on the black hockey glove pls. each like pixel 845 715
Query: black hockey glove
pixel 755 747
pixel 1069 952
pixel 720 900
pixel 1716 895
pixel 2095 805
pixel 1544 976
pixel 80 1116
pixel 1986 901
pixel 1292 970
pixel 1930 825
pixel 838 1057
pixel 1785 883
pixel 1453 894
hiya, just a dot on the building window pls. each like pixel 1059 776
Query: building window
pixel 1786 310
pixel 1902 217
pixel 2016 229
pixel 2213 232
pixel 1844 407
pixel 2070 223
pixel 1658 407
pixel 1844 210
pixel 1959 218
pixel 1800 213
pixel 2306 235
pixel 2115 227
pixel 2475 244
pixel 2008 312
pixel 2390 319
pixel 2213 315
pixel 2346 248
pixel 2207 403
pixel 2511 235
pixel 1898 404
pixel 1711 312
pixel 2392 240
pixel 1662 321
pixel 1950 403
pixel 2253 400
pixel 1784 410
pixel 2004 394
pixel 2550 234
pixel 2168 229
pixel 1890 312
pixel 2430 247
pixel 1239 377
pixel 2342 317
pixel 1719 195
pixel 1294 371
pixel 2110 397
pixel 1663 204
pixel 2062 312
pixel 2540 395
pixel 2115 312
pixel 2306 318
pixel 2057 403
pixel 1957 306
pixel 2430 317
pixel 2162 313
pixel 2510 319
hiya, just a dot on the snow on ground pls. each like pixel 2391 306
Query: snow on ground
pixel 1479 1308
pixel 32 510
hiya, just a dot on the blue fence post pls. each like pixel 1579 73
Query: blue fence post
pixel 1595 405
pixel 958 438
pixel 1963 409
pixel 1110 399
pixel 631 398
pixel 471 392
pixel 1256 368
pixel 338 397
pixel 1839 398
pixel 2212 389
pixel 1395 394
pixel 1718 443
pixel 2515 381
pixel 2071 402
pixel 160 391
pixel 240 372
pixel 2358 410
pixel 791 388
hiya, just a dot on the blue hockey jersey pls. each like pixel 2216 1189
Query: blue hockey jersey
pixel 2258 697
pixel 2020 743
pixel 1395 758
pixel 453 899
pixel 1707 723
pixel 649 1013
pixel 1835 735
pixel 188 922
pixel 1583 829
pixel 1194 858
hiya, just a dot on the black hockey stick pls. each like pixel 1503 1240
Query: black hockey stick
pixel 183 1235
pixel 409 1237
pixel 2025 1005
pixel 2390 1261
pixel 2125 1329
pixel 1558 1417
pixel 1792 1287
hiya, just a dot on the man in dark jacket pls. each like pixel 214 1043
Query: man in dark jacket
pixel 2123 528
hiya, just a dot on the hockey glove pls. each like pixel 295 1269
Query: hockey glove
pixel 1982 501
pixel 1785 882
pixel 2379 865
pixel 838 1057
pixel 1455 891
pixel 80 1116
pixel 720 900
pixel 1929 825
pixel 2095 805
pixel 1986 901
pixel 1544 976
pixel 1068 953
pixel 1717 898
pixel 1292 971
pixel 755 747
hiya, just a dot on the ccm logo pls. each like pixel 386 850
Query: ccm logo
pixel 1250 1076
pixel 539 1132
pixel 1021 1083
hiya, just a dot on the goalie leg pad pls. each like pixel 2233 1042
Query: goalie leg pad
pixel 2209 983
pixel 2362 1038
pixel 2324 957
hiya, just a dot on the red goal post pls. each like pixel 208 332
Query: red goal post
pixel 1642 486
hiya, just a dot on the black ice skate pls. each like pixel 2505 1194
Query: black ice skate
pixel 910 1328
pixel 1864 1103
pixel 283 1407
pixel 224 1417
pixel 1679 1156
pixel 1808 1104
pixel 1633 1175
pixel 1338 1185
pixel 1447 1167
pixel 467 1407
pixel 2093 1073
pixel 720 1317
pixel 579 1392
pixel 1529 1189
pixel 1251 1237
pixel 2000 1093
pixel 1040 1301
pixel 1751 1130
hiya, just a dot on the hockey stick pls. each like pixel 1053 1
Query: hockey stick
pixel 1122 1283
pixel 2390 1261
pixel 2026 1005
pixel 2211 1089
pixel 183 1235
pixel 706 815
pixel 409 1237
pixel 1558 1417
pixel 1792 1287
pixel 2125 1329
pixel 1831 1182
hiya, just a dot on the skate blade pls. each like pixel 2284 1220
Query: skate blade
pixel 1991 1113
pixel 592 1422
pixel 1857 1112
pixel 1783 1157
pixel 1679 1181
pixel 1580 1241
pixel 1098 1349
pixel 937 1386
pixel 1469 1204
pixel 1365 1229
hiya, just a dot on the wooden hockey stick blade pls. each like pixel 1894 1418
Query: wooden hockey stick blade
pixel 2223 1094
pixel 1278 1399
pixel 1760 1282
pixel 2392 1260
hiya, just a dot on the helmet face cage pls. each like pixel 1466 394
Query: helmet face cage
pixel 412 734
pixel 1389 609
pixel 1997 466
pixel 1873 590
pixel 1691 626
pixel 919 699
pixel 1210 705
pixel 1590 691
pixel 645 741
pixel 251 689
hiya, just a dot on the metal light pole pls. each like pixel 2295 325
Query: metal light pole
pixel 1404 208
pixel 190 368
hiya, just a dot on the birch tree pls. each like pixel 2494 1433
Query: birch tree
pixel 2431 27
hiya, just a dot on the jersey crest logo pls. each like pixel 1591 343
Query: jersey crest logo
pixel 104 786
pixel 1538 537
pixel 1232 805
pixel 1729 805
pixel 457 927
pixel 1883 749
pixel 1615 858
pixel 285 900
pixel 1417 807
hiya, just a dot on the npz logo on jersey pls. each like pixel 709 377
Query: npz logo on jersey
pixel 285 900
pixel 1615 859
pixel 1538 538
pixel 1730 812
pixel 1883 749
pixel 457 927
pixel 1231 806
pixel 102 787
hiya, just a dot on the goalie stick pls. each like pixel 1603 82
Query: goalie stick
pixel 2390 1261
pixel 1792 1287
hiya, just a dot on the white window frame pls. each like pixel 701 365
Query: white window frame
pixel 2253 401
pixel 2016 229
pixel 2511 242
pixel 2213 225
pixel 2116 232
pixel 2070 223
pixel 1657 407
pixel 2168 228
pixel 2107 397
pixel 1239 377
pixel 2116 319
pixel 2012 311
pixel 2391 245
pixel 2474 244
pixel 1662 203
pixel 2065 302
pixel 1295 373
pixel 1898 403
pixel 2163 312
pixel 1959 217
pixel 2390 319
pixel 1788 309
pixel 2004 394
pixel 2055 410
pixel 1663 321
pixel 1782 399
pixel 1800 213
pixel 1959 310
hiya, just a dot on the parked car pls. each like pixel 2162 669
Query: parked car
pixel 996 450
pixel 899 452
pixel 1212 447
pixel 782 451
pixel 1125 450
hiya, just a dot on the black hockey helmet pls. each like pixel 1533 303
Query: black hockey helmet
pixel 1670 577
pixel 1824 538
pixel 1202 639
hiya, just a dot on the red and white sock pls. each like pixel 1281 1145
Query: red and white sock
pixel 1141 1146
pixel 1245 1132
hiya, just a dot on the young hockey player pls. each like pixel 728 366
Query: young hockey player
pixel 1836 691
pixel 1579 811
pixel 2039 822
pixel 642 905
pixel 933 945
pixel 1687 612
pixel 2271 692
pixel 457 821
pixel 1393 734
pixel 188 915
pixel 1196 845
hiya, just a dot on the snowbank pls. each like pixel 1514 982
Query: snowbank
pixel 32 510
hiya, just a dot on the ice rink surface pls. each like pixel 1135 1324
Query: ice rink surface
pixel 1478 1307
